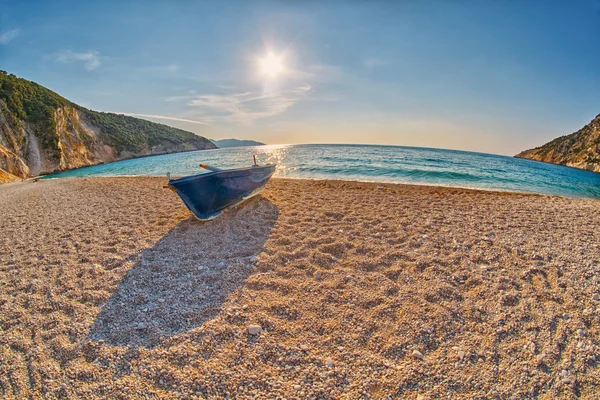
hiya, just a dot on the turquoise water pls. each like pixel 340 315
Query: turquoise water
pixel 372 163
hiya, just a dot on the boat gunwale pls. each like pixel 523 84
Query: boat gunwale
pixel 215 173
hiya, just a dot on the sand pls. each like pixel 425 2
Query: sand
pixel 109 288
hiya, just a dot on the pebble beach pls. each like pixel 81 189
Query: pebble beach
pixel 318 289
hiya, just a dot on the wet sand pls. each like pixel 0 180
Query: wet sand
pixel 109 288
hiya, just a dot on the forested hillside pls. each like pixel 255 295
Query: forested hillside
pixel 42 132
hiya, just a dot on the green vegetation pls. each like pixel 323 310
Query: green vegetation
pixel 28 101
pixel 235 143
pixel 133 134
pixel 33 103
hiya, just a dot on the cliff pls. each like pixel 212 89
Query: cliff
pixel 42 132
pixel 579 150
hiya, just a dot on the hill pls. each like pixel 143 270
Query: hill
pixel 42 132
pixel 235 143
pixel 580 149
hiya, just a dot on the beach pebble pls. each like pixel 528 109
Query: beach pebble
pixel 254 329
pixel 318 275
pixel 461 354
pixel 417 354
pixel 540 359
pixel 329 363
pixel 580 332
pixel 532 347
pixel 297 387
pixel 253 259
pixel 596 297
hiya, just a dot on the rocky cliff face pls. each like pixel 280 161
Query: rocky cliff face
pixel 44 133
pixel 579 150
pixel 78 143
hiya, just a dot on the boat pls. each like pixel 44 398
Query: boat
pixel 207 195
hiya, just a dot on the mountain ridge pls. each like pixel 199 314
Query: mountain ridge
pixel 223 143
pixel 579 149
pixel 42 132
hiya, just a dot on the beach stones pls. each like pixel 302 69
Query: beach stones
pixel 417 354
pixel 540 359
pixel 254 329
pixel 370 311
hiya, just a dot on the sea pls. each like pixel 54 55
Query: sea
pixel 370 163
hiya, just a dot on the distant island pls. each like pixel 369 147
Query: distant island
pixel 42 132
pixel 235 143
pixel 580 149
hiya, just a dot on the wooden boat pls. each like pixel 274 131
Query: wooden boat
pixel 208 195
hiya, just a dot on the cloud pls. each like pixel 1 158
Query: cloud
pixel 247 107
pixel 177 98
pixel 160 117
pixel 374 62
pixel 8 35
pixel 91 59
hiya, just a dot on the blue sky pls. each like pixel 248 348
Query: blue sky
pixel 491 76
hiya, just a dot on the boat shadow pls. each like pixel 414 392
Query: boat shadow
pixel 184 279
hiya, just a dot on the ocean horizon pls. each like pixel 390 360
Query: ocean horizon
pixel 370 163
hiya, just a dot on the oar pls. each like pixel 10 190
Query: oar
pixel 208 167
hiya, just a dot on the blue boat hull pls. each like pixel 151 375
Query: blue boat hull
pixel 208 195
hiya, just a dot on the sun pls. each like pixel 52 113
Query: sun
pixel 271 65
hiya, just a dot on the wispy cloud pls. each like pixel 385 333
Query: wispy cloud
pixel 177 98
pixel 7 36
pixel 247 107
pixel 91 59
pixel 374 62
pixel 160 117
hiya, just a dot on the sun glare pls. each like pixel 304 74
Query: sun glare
pixel 271 65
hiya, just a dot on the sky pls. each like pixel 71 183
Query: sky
pixel 489 76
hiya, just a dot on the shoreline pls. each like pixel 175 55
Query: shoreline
pixel 318 288
pixel 121 159
pixel 412 184
pixel 440 167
